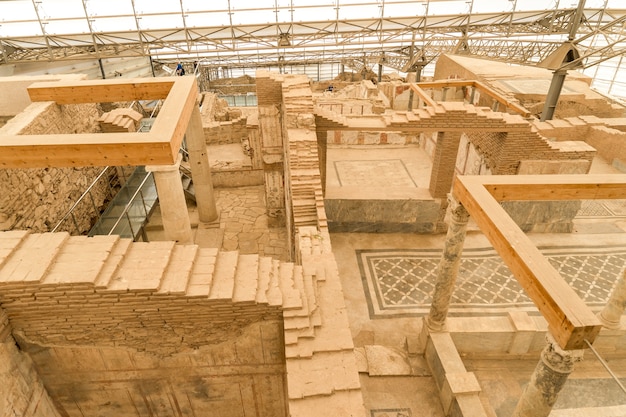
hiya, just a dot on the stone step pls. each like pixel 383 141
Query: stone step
pixel 80 260
pixel 378 360
pixel 11 241
pixel 274 293
pixel 199 284
pixel 264 274
pixel 298 285
pixel 178 273
pixel 224 277
pixel 291 296
pixel 143 267
pixel 21 267
pixel 112 263
pixel 246 278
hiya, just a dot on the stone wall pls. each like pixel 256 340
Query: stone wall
pixel 36 199
pixel 351 137
pixel 137 328
pixel 131 328
pixel 607 136
pixel 22 391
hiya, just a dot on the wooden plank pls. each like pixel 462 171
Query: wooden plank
pixel 556 187
pixel 85 150
pixel 445 83
pixel 422 94
pixel 102 91
pixel 157 147
pixel 176 111
pixel 570 321
pixel 482 88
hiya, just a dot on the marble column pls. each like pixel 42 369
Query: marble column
pixel 200 168
pixel 611 315
pixel 547 380
pixel 175 216
pixel 448 266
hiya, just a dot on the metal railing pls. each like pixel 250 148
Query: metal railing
pixel 112 181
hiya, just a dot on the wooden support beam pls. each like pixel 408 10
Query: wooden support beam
pixel 557 187
pixel 422 94
pixel 484 89
pixel 160 146
pixel 498 97
pixel 101 91
pixel 570 321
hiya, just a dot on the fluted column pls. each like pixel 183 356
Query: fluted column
pixel 448 266
pixel 547 380
pixel 175 216
pixel 611 315
pixel 200 168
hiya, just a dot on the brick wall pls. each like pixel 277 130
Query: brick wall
pixel 115 326
pixel 36 199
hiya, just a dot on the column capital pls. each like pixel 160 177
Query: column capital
pixel 166 168
pixel 458 211
pixel 560 360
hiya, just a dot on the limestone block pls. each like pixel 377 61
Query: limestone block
pixel 525 329
pixel 386 361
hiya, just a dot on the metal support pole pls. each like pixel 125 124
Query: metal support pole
pixel 152 66
pixel 558 78
pixel 101 68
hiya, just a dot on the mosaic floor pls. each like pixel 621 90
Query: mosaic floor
pixel 400 283
pixel 602 208
pixel 373 173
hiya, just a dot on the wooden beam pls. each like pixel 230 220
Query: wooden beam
pixel 484 89
pixel 570 321
pixel 101 91
pixel 556 187
pixel 422 94
pixel 500 99
pixel 83 150
pixel 158 147
pixel 176 111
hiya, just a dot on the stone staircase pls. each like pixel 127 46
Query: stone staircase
pixel 120 120
pixel 106 290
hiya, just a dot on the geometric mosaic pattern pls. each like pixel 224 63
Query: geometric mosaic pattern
pixel 373 173
pixel 602 208
pixel 402 282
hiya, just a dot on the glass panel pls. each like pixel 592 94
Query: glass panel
pixel 414 8
pixel 64 27
pixel 55 9
pixel 110 24
pixel 110 8
pixel 17 10
pixel 161 21
pixel 358 11
pixel 246 17
pixel 20 29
